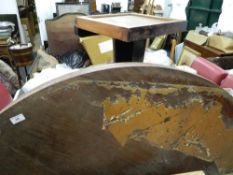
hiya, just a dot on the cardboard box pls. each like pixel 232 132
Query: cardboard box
pixel 222 43
pixel 99 49
pixel 188 55
pixel 196 38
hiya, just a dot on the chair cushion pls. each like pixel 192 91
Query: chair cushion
pixel 209 70
pixel 227 82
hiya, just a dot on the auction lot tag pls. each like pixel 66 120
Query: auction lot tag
pixel 17 119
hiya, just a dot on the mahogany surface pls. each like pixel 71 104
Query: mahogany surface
pixel 119 119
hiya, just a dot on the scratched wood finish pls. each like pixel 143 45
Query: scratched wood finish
pixel 129 26
pixel 128 119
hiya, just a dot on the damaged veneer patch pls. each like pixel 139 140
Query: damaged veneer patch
pixel 186 120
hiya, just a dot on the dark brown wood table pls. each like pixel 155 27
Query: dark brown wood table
pixel 128 30
pixel 119 119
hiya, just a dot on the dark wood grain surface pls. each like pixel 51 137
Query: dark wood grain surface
pixel 128 119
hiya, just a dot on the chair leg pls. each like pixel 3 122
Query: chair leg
pixel 19 77
pixel 26 71
pixel 172 52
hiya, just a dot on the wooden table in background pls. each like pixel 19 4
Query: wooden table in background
pixel 128 30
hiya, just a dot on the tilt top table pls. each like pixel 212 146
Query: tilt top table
pixel 119 119
pixel 128 30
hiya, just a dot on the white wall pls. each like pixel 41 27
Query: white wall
pixel 10 7
pixel 178 9
pixel 173 8
pixel 124 4
pixel 225 20
pixel 167 8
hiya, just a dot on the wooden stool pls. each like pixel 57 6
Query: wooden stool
pixel 22 56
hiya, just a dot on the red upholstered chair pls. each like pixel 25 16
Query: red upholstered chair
pixel 209 70
pixel 5 97
pixel 227 82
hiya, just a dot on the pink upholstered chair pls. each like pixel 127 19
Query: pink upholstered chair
pixel 227 82
pixel 5 97
pixel 209 70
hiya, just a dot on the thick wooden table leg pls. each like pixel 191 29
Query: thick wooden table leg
pixel 26 72
pixel 129 51
pixel 19 76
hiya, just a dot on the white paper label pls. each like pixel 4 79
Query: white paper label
pixel 17 119
pixel 106 46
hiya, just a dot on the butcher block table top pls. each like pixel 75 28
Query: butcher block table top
pixel 129 26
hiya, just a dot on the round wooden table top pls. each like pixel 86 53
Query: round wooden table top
pixel 120 119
